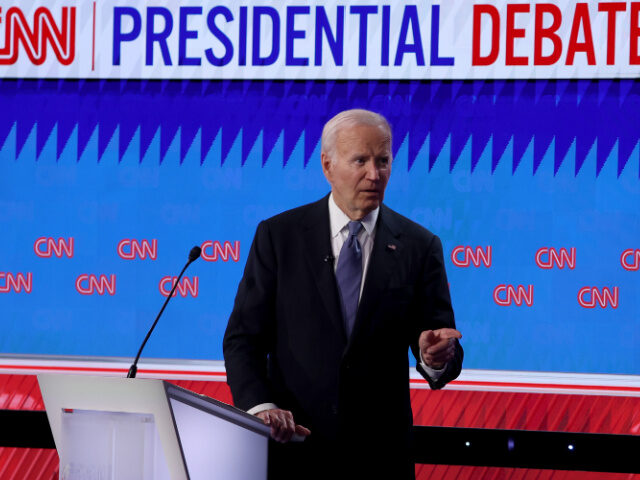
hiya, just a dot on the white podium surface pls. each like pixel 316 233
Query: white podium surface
pixel 119 428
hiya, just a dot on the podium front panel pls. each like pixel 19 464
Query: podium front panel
pixel 119 445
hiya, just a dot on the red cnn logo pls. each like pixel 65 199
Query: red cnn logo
pixel 635 258
pixel 505 295
pixel 185 287
pixel 17 32
pixel 129 249
pixel 588 297
pixel 16 283
pixel 46 247
pixel 469 256
pixel 88 284
pixel 548 257
pixel 217 251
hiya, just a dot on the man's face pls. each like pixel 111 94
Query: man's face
pixel 358 169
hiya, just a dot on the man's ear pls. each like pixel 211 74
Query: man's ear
pixel 326 165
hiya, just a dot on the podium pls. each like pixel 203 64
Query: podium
pixel 146 429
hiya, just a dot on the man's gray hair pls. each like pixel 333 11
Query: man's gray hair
pixel 346 119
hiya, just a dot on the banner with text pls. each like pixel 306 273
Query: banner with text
pixel 287 39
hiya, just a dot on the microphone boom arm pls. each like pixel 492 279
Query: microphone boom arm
pixel 134 366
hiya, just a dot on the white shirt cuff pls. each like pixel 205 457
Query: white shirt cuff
pixel 261 408
pixel 434 374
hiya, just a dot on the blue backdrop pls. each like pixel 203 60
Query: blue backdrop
pixel 515 165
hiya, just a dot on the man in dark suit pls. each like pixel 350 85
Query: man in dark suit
pixel 332 295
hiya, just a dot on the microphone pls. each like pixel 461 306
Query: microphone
pixel 194 254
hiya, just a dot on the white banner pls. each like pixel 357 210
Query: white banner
pixel 228 39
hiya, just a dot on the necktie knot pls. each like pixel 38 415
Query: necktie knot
pixel 352 239
pixel 354 228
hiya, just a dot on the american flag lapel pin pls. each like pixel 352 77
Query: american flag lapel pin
pixel 391 247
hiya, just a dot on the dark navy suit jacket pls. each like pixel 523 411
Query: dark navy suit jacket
pixel 285 341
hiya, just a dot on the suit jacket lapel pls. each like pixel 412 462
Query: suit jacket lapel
pixel 317 237
pixel 386 250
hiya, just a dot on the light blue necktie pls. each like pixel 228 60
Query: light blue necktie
pixel 349 276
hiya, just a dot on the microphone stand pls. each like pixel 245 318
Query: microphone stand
pixel 193 255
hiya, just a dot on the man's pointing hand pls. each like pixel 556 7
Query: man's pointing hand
pixel 437 347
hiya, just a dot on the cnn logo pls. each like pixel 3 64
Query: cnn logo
pixel 47 247
pixel 590 297
pixel 463 256
pixel 88 284
pixel 186 287
pixel 212 251
pixel 15 282
pixel 33 40
pixel 506 295
pixel 630 259
pixel 549 258
pixel 131 249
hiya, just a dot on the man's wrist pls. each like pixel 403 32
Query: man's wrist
pixel 433 373
pixel 261 408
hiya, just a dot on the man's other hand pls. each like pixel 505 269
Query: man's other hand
pixel 437 347
pixel 282 425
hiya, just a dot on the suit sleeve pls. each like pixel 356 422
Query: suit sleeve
pixel 434 311
pixel 248 339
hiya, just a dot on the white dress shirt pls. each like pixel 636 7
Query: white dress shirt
pixel 338 222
